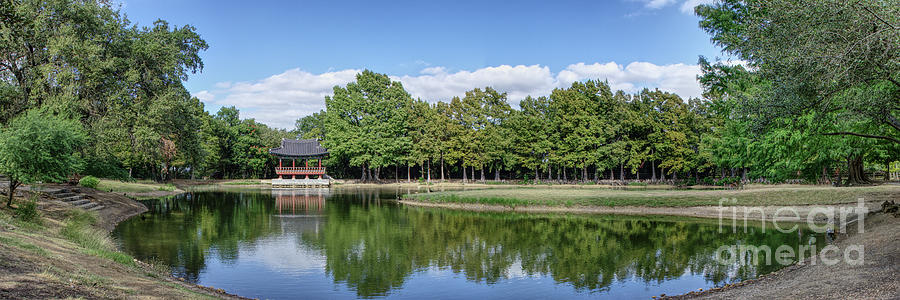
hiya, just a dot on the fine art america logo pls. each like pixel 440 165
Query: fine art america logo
pixel 823 220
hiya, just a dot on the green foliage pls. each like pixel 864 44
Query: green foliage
pixel 793 46
pixel 89 182
pixel 28 212
pixel 39 146
pixel 366 122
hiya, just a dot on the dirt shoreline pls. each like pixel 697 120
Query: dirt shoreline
pixel 49 266
pixel 814 278
pixel 755 213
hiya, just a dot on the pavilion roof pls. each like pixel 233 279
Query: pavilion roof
pixel 299 148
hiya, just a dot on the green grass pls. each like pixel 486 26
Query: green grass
pixel 79 229
pixel 116 186
pixel 14 242
pixel 242 182
pixel 546 196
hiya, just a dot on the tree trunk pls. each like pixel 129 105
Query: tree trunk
pixel 13 184
pixel 464 172
pixel 363 177
pixel 377 174
pixel 653 167
pixel 662 174
pixel 482 174
pixel 887 172
pixel 408 175
pixel 473 173
pixel 564 178
pixel 429 171
pixel 584 174
pixel 622 171
pixel 442 167
pixel 743 174
pixel 612 174
pixel 856 174
pixel 496 173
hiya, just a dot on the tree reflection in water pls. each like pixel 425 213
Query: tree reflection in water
pixel 374 245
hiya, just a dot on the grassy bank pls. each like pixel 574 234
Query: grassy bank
pixel 115 186
pixel 754 196
pixel 60 252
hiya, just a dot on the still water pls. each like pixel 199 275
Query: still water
pixel 358 243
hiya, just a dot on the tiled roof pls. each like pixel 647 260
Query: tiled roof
pixel 289 147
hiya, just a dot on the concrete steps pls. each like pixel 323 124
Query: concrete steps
pixel 72 197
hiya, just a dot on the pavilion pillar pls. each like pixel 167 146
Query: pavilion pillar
pixel 306 163
pixel 293 165
pixel 279 166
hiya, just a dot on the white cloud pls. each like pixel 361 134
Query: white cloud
pixel 205 96
pixel 687 6
pixel 519 81
pixel 654 4
pixel 280 99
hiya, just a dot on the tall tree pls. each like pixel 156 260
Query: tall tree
pixel 366 123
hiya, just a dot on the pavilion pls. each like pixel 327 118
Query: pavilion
pixel 304 151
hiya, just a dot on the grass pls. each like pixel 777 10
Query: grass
pixel 116 186
pixel 18 243
pixel 242 182
pixel 760 196
pixel 79 229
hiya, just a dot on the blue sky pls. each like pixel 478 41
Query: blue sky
pixel 276 60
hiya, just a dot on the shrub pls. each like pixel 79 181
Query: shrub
pixel 28 212
pixel 89 182
pixel 168 187
pixel 636 183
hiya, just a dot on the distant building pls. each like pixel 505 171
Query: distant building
pixel 304 151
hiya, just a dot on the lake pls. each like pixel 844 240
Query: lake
pixel 349 243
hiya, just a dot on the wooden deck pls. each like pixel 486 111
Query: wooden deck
pixel 300 171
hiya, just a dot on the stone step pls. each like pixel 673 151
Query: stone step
pixel 72 198
pixel 98 207
pixel 80 202
pixel 64 195
pixel 88 205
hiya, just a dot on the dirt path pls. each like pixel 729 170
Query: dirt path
pixel 875 278
pixel 37 262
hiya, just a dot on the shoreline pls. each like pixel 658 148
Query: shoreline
pixel 118 218
pixel 814 278
pixel 756 213
pixel 50 257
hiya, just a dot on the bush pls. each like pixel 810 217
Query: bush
pixel 89 182
pixel 168 187
pixel 636 183
pixel 28 212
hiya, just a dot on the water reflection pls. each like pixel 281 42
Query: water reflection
pixel 358 243
pixel 289 201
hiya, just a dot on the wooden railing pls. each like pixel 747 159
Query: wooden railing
pixel 300 170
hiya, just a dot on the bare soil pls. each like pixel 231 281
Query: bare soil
pixel 52 267
pixel 875 278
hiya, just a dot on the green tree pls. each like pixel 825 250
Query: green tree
pixel 39 147
pixel 793 46
pixel 366 123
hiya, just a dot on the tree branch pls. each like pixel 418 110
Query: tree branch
pixel 864 135
pixel 879 18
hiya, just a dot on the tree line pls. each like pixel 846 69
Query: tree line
pixel 805 106
pixel 84 61
pixel 815 109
